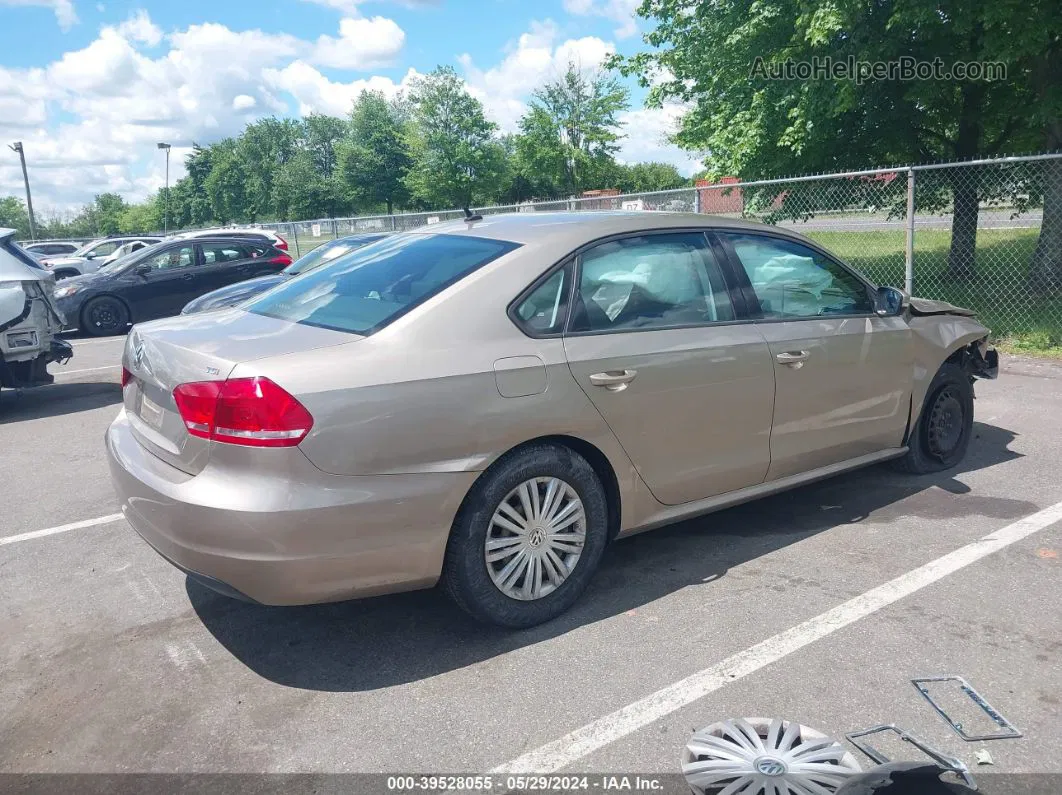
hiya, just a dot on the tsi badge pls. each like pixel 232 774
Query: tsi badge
pixel 765 755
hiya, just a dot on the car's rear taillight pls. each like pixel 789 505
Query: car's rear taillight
pixel 250 411
pixel 281 243
pixel 126 377
pixel 282 259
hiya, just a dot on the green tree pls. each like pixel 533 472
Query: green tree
pixel 647 177
pixel 375 160
pixel 141 218
pixel 719 61
pixel 261 151
pixel 226 184
pixel 571 130
pixel 456 159
pixel 13 215
pixel 107 211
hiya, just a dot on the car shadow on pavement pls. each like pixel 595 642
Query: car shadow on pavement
pixel 54 400
pixel 392 640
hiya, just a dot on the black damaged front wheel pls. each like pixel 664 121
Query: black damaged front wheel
pixel 940 438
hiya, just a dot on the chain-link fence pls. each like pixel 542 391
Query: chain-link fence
pixel 976 234
pixel 983 234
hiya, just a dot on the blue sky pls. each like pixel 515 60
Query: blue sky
pixel 91 85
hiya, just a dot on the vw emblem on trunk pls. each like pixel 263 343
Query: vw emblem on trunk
pixel 139 359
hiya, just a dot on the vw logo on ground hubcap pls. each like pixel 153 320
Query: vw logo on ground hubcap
pixel 769 766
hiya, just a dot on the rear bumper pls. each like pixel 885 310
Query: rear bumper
pixel 301 538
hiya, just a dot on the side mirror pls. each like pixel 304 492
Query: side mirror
pixel 890 302
pixel 90 255
pixel 142 270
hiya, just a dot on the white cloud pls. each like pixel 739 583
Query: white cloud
pixel 363 43
pixel 90 119
pixel 619 11
pixel 347 7
pixel 531 61
pixel 64 11
pixel 315 93
pixel 647 130
pixel 140 28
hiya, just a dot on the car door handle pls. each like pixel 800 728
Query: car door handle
pixel 187 277
pixel 794 359
pixel 614 380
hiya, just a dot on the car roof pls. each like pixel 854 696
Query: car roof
pixel 216 239
pixel 577 228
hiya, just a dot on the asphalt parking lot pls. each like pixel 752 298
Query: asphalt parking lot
pixel 816 605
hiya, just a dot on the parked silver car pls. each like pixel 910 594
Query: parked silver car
pixel 490 402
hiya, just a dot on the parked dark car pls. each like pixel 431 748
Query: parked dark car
pixel 238 293
pixel 157 281
pixel 54 248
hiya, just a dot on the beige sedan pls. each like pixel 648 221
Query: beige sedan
pixel 489 403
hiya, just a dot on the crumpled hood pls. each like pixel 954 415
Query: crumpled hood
pixel 929 306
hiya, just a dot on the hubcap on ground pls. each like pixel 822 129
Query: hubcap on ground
pixel 945 423
pixel 764 756
pixel 535 538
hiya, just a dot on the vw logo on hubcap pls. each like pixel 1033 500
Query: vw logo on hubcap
pixel 769 766
pixel 536 537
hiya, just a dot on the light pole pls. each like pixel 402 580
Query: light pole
pixel 17 147
pixel 166 211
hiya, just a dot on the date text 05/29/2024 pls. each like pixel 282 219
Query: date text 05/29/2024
pixel 523 783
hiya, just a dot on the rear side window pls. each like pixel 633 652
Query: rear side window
pixel 545 310
pixel 655 281
pixel 216 253
pixel 366 289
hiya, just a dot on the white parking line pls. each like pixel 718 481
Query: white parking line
pixel 88 370
pixel 79 343
pixel 51 531
pixel 595 735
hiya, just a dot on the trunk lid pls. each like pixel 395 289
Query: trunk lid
pixel 163 354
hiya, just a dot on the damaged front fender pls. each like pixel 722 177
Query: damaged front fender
pixel 943 334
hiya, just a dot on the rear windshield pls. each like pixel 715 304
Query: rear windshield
pixel 366 289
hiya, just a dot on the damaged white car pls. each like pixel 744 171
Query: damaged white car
pixel 30 321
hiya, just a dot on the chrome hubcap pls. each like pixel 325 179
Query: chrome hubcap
pixel 535 539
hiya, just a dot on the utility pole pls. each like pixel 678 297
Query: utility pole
pixel 17 147
pixel 166 204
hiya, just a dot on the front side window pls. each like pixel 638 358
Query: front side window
pixel 794 281
pixel 545 310
pixel 364 290
pixel 171 259
pixel 650 281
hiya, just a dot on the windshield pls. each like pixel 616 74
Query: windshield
pixel 328 252
pixel 126 260
pixel 368 288
pixel 87 248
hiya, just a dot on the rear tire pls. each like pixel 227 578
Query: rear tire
pixel 942 434
pixel 528 577
pixel 104 316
